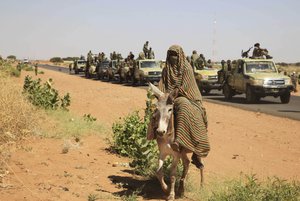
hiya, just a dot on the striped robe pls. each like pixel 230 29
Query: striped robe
pixel 190 119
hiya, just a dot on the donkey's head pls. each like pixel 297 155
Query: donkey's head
pixel 163 113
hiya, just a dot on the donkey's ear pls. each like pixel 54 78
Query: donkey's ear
pixel 157 93
pixel 173 95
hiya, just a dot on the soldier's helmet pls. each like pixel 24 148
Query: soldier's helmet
pixel 194 52
pixel 223 62
pixel 256 45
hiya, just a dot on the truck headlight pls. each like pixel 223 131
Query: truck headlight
pixel 204 77
pixel 288 81
pixel 257 82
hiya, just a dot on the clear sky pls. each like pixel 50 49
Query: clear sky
pixel 41 29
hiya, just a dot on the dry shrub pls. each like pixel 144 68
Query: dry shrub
pixel 18 118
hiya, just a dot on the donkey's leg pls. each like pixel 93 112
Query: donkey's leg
pixel 160 174
pixel 201 172
pixel 186 165
pixel 173 177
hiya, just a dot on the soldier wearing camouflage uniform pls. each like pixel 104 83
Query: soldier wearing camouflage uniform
pixel 151 54
pixel 131 56
pixel 145 49
pixel 294 81
pixel 203 59
pixel 209 64
pixel 19 66
pixel 221 73
pixel 229 66
pixel 194 59
pixel 36 69
pixel 89 62
pixel 259 53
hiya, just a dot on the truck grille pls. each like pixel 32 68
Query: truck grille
pixel 154 73
pixel 212 77
pixel 275 82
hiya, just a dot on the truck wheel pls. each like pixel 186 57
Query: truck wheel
pixel 285 98
pixel 227 91
pixel 250 95
pixel 76 71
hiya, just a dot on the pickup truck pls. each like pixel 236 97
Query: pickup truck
pixel 257 78
pixel 147 70
pixel 79 66
pixel 207 79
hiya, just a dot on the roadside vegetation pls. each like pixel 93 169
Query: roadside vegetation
pixel 18 118
pixel 7 68
pixel 44 95
pixel 37 110
pixel 129 139
pixel 244 188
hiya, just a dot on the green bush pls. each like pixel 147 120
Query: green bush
pixel 9 70
pixel 249 188
pixel 27 67
pixel 14 72
pixel 44 95
pixel 129 139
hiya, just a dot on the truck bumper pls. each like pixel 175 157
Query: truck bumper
pixel 152 79
pixel 210 85
pixel 266 91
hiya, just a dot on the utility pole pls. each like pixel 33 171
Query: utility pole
pixel 214 41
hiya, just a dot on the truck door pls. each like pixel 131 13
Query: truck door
pixel 239 77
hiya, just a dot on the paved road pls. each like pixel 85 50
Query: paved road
pixel 267 105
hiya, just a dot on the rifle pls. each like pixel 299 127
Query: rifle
pixel 245 54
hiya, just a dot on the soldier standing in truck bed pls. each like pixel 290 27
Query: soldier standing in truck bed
pixel 151 54
pixel 145 49
pixel 229 66
pixel 194 59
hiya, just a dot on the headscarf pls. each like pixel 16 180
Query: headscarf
pixel 180 76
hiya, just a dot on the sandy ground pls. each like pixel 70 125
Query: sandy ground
pixel 241 141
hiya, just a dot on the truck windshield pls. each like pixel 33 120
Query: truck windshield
pixel 105 64
pixel 254 67
pixel 149 64
pixel 81 62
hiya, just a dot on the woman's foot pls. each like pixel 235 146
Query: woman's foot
pixel 197 162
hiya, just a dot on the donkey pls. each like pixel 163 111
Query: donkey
pixel 163 128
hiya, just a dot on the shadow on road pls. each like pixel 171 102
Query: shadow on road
pixel 240 100
pixel 293 111
pixel 147 188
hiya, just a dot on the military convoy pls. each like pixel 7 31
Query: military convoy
pixel 143 71
pixel 257 78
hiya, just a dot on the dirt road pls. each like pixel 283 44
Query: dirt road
pixel 241 141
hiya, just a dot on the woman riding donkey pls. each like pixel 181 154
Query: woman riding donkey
pixel 190 121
